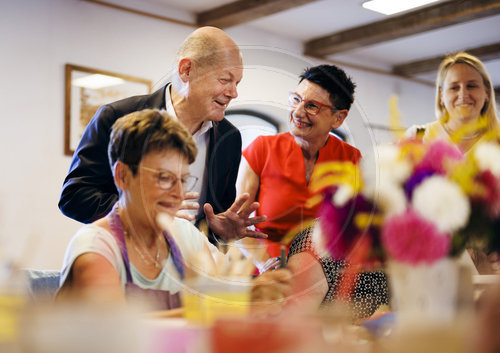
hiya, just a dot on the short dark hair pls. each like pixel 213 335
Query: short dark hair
pixel 138 133
pixel 335 81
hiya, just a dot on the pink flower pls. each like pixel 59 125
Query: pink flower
pixel 410 238
pixel 438 154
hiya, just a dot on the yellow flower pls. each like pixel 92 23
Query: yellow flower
pixel 464 175
pixel 335 174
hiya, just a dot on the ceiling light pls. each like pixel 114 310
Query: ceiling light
pixel 389 7
pixel 96 81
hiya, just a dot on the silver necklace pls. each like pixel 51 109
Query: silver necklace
pixel 154 261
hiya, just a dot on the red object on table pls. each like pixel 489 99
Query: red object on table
pixel 262 335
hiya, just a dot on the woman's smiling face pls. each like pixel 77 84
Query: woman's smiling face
pixel 314 127
pixel 144 195
pixel 463 93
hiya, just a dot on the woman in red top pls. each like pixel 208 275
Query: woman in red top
pixel 278 168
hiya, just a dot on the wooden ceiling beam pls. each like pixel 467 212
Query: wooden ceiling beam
pixel 243 11
pixel 484 53
pixel 142 13
pixel 425 19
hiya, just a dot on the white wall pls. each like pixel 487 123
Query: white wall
pixel 38 37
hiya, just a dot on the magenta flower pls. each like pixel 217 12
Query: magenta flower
pixel 339 228
pixel 410 238
pixel 436 157
pixel 434 162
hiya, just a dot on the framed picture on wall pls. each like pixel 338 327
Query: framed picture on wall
pixel 86 90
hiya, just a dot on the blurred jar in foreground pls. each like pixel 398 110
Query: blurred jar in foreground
pixel 12 302
pixel 82 327
pixel 206 299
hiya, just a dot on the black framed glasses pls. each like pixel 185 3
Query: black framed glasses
pixel 167 180
pixel 311 107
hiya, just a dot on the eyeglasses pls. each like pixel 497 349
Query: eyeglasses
pixel 167 180
pixel 310 106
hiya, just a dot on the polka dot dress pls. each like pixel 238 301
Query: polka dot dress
pixel 371 289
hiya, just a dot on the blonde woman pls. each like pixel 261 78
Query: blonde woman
pixel 465 103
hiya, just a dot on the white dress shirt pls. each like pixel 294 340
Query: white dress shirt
pixel 201 138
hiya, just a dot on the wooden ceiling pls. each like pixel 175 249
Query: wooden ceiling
pixel 426 19
pixel 243 11
pixel 441 15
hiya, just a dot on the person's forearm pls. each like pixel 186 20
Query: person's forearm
pixel 86 204
pixel 309 282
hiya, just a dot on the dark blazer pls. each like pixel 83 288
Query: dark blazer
pixel 89 191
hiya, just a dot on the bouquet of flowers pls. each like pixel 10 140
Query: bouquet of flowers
pixel 424 203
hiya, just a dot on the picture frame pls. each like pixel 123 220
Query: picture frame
pixel 87 89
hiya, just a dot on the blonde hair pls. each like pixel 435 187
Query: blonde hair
pixel 489 110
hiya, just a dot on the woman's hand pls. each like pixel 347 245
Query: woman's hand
pixel 272 263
